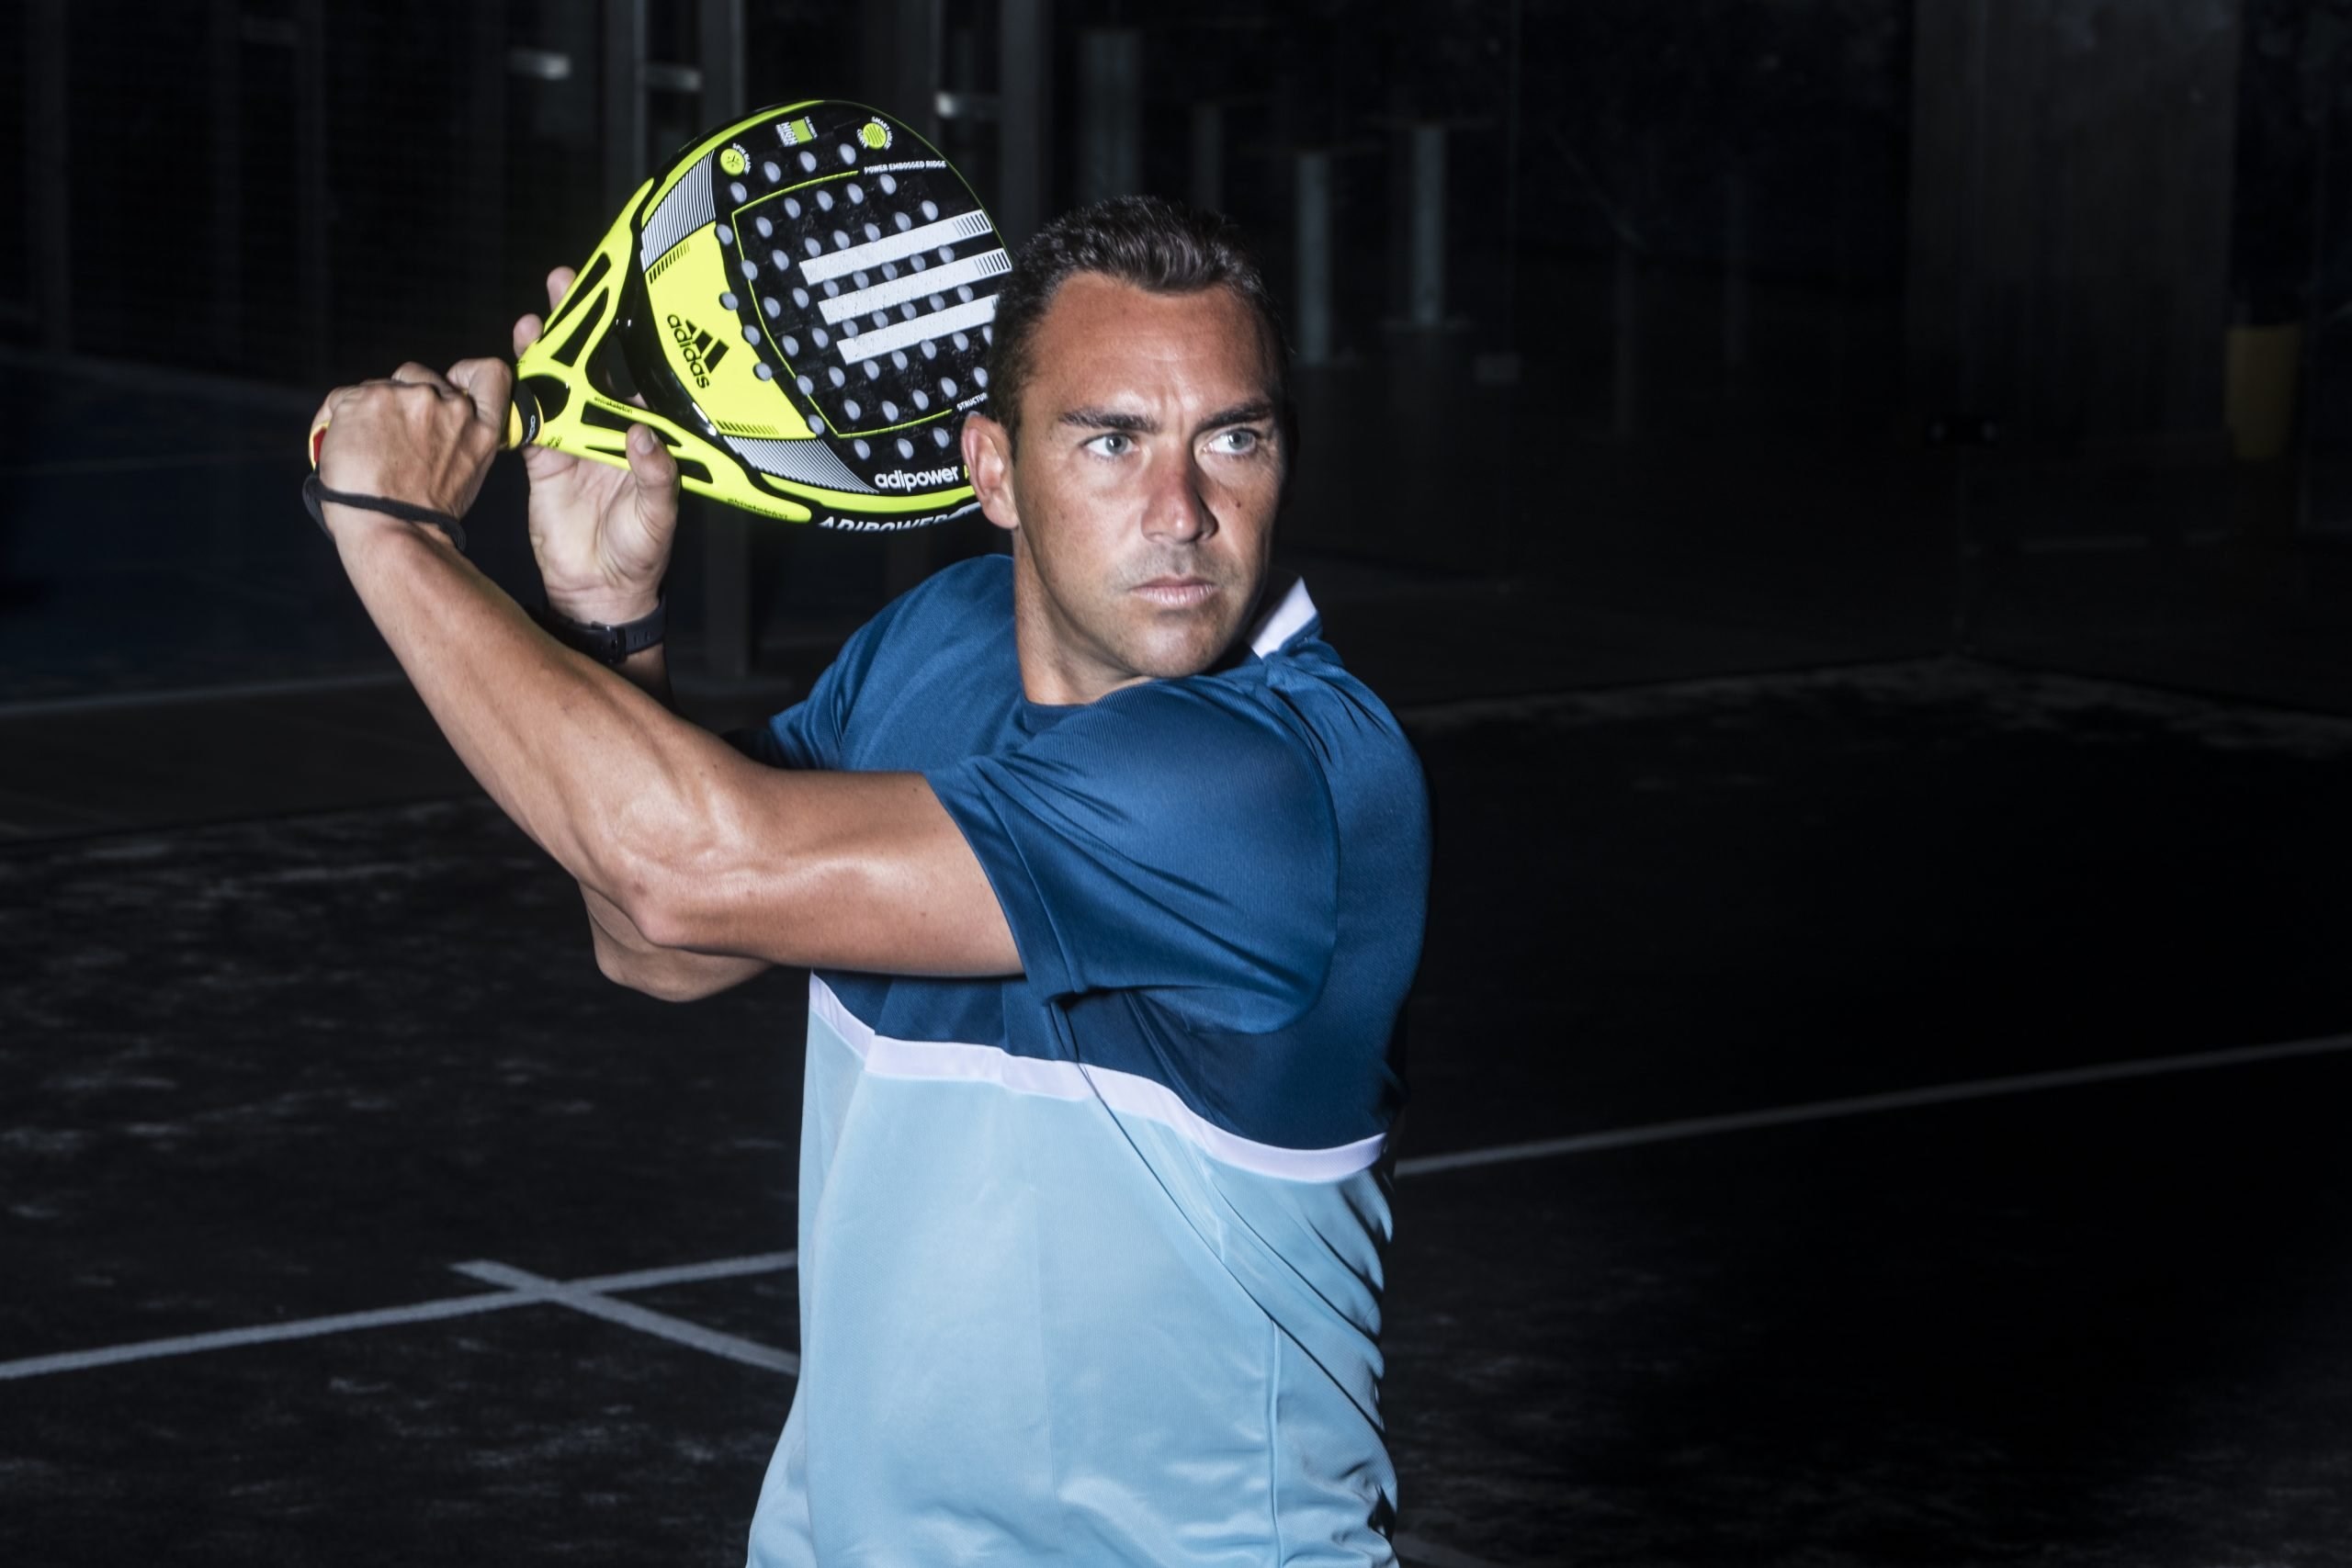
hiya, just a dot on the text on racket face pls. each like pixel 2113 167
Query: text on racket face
pixel 918 479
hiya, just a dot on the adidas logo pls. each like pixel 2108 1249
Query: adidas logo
pixel 702 352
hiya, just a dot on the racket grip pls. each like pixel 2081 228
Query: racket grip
pixel 522 418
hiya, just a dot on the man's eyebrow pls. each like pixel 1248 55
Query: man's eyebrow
pixel 1256 411
pixel 1110 419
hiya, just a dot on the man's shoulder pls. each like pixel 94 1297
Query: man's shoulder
pixel 976 593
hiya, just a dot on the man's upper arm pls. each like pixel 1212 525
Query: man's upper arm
pixel 825 870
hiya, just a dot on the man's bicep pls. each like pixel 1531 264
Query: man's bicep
pixel 843 871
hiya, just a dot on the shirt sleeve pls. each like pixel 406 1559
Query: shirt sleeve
pixel 1167 838
pixel 813 732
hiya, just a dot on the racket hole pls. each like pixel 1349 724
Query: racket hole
pixel 872 233
pixel 930 211
pixel 873 370
pixel 800 298
pixel 948 386
pixel 751 335
pixel 771 171
pixel 848 153
pixel 852 408
pixel 980 375
pixel 855 195
pixel 939 437
pixel 824 201
pixel 889 269
pixel 899 358
pixel 881 318
pixel 907 311
pixel 889 411
pixel 863 451
pixel 750 267
pixel 766 229
pixel 791 207
pixel 773 306
pixel 817 335
pixel 963 292
pixel 906 447
pixel 901 221
pixel 727 300
pixel 840 240
pixel 806 384
pixel 857 280
pixel 790 344
pixel 735 188
pixel 946 253
pixel 850 327
pixel 929 349
pixel 919 263
pixel 889 185
pixel 922 399
pixel 835 375
pixel 808 163
pixel 815 249
pixel 760 368
pixel 937 303
pixel 962 342
pixel 726 235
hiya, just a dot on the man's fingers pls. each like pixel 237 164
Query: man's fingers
pixel 421 374
pixel 526 333
pixel 489 384
pixel 650 463
pixel 558 285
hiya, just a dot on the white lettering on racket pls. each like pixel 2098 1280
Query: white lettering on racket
pixel 918 479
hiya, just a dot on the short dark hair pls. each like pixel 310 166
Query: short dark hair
pixel 1157 245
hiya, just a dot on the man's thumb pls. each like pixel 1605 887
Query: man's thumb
pixel 649 462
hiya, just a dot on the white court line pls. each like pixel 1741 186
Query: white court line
pixel 660 1324
pixel 267 1333
pixel 583 1295
pixel 1871 1104
pixel 393 1317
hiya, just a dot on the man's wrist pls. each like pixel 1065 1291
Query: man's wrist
pixel 604 609
pixel 610 643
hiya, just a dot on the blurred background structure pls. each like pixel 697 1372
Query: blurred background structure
pixel 1736 332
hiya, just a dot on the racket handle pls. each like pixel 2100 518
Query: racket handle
pixel 522 418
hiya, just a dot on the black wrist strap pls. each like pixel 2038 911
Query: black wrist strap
pixel 315 496
pixel 606 644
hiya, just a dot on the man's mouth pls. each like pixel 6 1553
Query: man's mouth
pixel 1177 592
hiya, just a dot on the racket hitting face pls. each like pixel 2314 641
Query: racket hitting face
pixel 801 300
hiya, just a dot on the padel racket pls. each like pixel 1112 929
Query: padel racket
pixel 802 298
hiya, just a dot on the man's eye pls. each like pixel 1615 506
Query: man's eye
pixel 1112 443
pixel 1235 443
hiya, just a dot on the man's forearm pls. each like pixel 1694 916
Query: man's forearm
pixel 591 766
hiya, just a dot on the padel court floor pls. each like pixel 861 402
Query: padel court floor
pixel 1885 1115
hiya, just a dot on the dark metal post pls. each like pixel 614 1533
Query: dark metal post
pixel 624 98
pixel 310 204
pixel 727 538
pixel 1025 65
pixel 48 154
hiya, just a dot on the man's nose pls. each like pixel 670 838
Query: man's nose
pixel 1177 509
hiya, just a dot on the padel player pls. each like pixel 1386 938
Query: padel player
pixel 1111 880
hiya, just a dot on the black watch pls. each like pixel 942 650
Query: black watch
pixel 606 644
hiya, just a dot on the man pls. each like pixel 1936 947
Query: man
pixel 1111 880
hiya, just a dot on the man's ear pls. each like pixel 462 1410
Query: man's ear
pixel 987 458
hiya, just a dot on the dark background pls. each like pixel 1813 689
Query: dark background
pixel 1695 286
pixel 1852 500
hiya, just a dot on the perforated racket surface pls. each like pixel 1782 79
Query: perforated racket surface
pixel 803 300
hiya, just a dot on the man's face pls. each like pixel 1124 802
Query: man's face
pixel 1142 499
